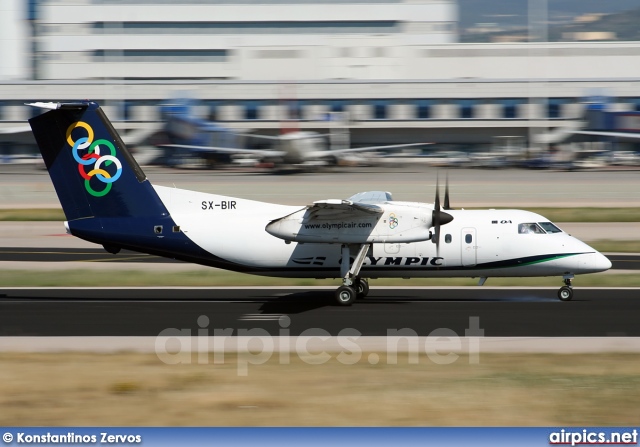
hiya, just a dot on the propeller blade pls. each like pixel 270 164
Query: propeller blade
pixel 436 205
pixel 435 216
pixel 439 217
pixel 447 205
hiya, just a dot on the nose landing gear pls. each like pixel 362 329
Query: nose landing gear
pixel 565 293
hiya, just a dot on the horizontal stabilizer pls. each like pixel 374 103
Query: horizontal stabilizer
pixel 58 105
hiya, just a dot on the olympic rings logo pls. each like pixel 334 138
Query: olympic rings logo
pixel 393 221
pixel 95 158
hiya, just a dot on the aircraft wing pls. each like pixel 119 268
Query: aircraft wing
pixel 228 150
pixel 325 209
pixel 336 209
pixel 329 152
pixel 356 221
pixel 308 135
pixel 259 136
pixel 328 221
pixel 631 135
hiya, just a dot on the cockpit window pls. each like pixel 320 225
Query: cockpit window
pixel 530 228
pixel 549 227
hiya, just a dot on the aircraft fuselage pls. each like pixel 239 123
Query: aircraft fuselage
pixel 477 243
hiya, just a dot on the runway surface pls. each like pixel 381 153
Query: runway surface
pixel 31 254
pixel 502 312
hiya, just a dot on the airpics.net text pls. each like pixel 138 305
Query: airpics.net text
pixel 314 346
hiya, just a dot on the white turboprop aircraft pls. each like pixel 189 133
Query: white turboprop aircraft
pixel 108 200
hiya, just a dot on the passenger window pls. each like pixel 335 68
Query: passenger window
pixel 468 238
pixel 447 238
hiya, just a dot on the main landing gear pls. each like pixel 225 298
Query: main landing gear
pixel 565 293
pixel 353 287
pixel 362 287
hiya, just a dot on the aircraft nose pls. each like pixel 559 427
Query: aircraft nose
pixel 592 263
pixel 601 262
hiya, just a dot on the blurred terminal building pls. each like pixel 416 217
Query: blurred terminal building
pixel 392 68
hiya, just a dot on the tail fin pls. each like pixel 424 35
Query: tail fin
pixel 92 171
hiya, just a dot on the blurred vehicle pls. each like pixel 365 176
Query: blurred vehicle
pixel 581 156
pixel 449 159
pixel 489 160
pixel 504 151
pixel 593 162
pixel 444 158
pixel 538 161
pixel 624 158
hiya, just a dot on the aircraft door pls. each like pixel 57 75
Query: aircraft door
pixel 469 246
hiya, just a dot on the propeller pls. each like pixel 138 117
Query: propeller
pixel 446 206
pixel 439 217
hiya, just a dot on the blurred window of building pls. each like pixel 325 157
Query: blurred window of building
pixel 337 105
pixel 423 108
pixel 510 107
pixel 554 107
pixel 380 109
pixel 635 103
pixel 251 109
pixel 466 108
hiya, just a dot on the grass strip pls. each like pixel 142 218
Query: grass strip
pixel 31 214
pixel 608 246
pixel 128 389
pixel 214 277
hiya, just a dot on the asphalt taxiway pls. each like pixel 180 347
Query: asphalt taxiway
pixel 500 312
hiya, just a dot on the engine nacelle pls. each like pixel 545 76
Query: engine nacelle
pixel 397 223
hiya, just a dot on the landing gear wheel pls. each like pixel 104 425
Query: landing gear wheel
pixel 362 288
pixel 565 293
pixel 345 295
